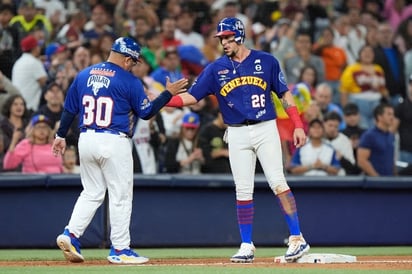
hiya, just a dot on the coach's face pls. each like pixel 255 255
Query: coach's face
pixel 129 63
pixel 230 47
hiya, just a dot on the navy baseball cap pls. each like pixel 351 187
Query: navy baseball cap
pixel 128 47
pixel 40 118
pixel 191 120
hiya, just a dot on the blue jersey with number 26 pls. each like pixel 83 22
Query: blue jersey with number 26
pixel 243 90
pixel 106 96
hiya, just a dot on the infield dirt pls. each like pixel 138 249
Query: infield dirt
pixel 363 262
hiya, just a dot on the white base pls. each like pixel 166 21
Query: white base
pixel 317 258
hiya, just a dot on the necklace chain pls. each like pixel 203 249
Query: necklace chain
pixel 233 65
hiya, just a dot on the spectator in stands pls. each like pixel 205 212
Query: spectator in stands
pixel 71 34
pixel 183 154
pixel 184 31
pixel 341 143
pixel 203 108
pixel 403 112
pixel 150 135
pixel 142 70
pixel 341 27
pixel 127 12
pixel 403 38
pixel 170 67
pixel 388 56
pixel 318 15
pixel 352 130
pixel 303 57
pixel 212 48
pixel 53 109
pixel 28 19
pixel 141 28
pixel 371 36
pixel 363 83
pixel 280 38
pixel 171 9
pixel 396 11
pixel 70 160
pixel 15 119
pixel 29 75
pixel 153 51
pixel 34 152
pixel 56 55
pixel 313 112
pixel 168 28
pixel 81 60
pixel 376 151
pixel 6 89
pixel 308 75
pixel 356 37
pixel 334 59
pixel 323 97
pixel 143 138
pixel 55 12
pixel 104 45
pixel 315 158
pixel 9 42
pixel 172 118
pixel 374 8
pixel 214 148
pixel 98 25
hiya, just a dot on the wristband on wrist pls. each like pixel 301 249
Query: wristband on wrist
pixel 294 116
pixel 176 101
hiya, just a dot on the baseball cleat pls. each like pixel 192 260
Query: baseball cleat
pixel 125 256
pixel 297 248
pixel 245 254
pixel 70 246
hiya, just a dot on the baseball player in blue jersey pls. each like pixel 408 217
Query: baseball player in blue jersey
pixel 108 100
pixel 243 80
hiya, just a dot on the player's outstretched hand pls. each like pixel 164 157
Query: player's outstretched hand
pixel 299 137
pixel 176 87
pixel 59 146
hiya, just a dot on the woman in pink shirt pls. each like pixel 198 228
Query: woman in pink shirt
pixel 34 152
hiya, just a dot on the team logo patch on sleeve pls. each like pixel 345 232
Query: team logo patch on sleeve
pixel 282 78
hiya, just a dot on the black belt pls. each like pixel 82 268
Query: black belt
pixel 104 130
pixel 246 123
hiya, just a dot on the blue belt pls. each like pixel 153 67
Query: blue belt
pixel 104 130
pixel 246 123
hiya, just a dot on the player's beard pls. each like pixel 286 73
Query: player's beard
pixel 232 53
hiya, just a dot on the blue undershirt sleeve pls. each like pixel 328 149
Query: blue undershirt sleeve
pixel 158 103
pixel 65 122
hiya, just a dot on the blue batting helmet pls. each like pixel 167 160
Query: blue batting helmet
pixel 127 46
pixel 231 26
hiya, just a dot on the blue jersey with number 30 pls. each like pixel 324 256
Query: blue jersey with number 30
pixel 243 89
pixel 107 96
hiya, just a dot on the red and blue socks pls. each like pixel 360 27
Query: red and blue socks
pixel 245 212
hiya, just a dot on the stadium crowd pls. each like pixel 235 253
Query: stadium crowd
pixel 348 64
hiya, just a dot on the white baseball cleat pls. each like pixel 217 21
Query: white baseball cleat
pixel 70 246
pixel 245 254
pixel 125 256
pixel 297 248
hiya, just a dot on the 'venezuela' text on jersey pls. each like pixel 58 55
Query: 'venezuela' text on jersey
pixel 243 89
pixel 91 96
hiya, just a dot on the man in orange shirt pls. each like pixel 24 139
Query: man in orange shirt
pixel 334 59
